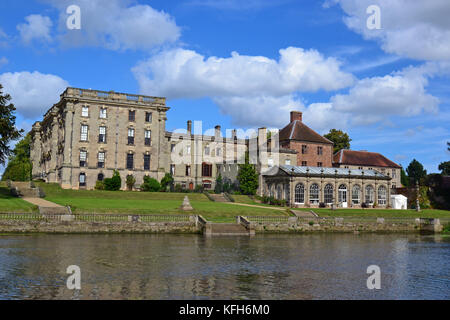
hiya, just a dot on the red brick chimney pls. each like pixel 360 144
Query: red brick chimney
pixel 296 115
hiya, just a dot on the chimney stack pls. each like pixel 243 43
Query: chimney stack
pixel 296 115
pixel 189 127
pixel 217 132
pixel 233 134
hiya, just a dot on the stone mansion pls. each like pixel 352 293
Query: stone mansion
pixel 89 133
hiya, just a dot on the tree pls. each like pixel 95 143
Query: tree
pixel 131 180
pixel 167 181
pixel 415 172
pixel 8 130
pixel 219 184
pixel 404 178
pixel 445 168
pixel 340 139
pixel 247 177
pixel 19 163
pixel 114 183
pixel 448 146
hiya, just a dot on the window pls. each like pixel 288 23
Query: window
pixel 102 134
pixel 319 150
pixel 382 195
pixel 82 179
pixel 148 117
pixel 319 164
pixel 360 168
pixel 304 163
pixel 270 162
pixel 287 162
pixel 207 184
pixel 172 147
pixel 206 170
pixel 83 158
pixel 131 115
pixel 102 113
pixel 314 193
pixel 101 160
pixel 84 132
pixel 394 173
pixel 279 193
pixel 146 162
pixel 342 193
pixel 300 193
pixel 188 149
pixel 100 177
pixel 369 194
pixel 328 194
pixel 304 149
pixel 207 150
pixel 218 152
pixel 188 171
pixel 130 161
pixel 85 111
pixel 148 137
pixel 172 169
pixel 394 185
pixel 356 194
pixel 131 136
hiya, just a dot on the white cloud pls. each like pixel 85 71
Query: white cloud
pixel 37 27
pixel 117 25
pixel 413 29
pixel 185 73
pixel 33 93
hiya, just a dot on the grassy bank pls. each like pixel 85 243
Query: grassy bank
pixel 98 201
pixel 13 204
pixel 381 213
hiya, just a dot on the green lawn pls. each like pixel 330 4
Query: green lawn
pixel 13 204
pixel 148 203
pixel 381 213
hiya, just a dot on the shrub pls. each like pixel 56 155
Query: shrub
pixel 178 188
pixel 219 184
pixel 364 205
pixel 99 185
pixel 150 185
pixel 283 203
pixel 114 183
pixel 167 182
pixel 199 188
pixel 131 180
pixel 322 205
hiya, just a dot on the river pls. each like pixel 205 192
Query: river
pixel 309 266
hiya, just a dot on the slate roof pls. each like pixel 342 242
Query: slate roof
pixel 363 158
pixel 325 172
pixel 297 130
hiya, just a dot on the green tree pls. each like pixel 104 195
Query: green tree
pixel 415 172
pixel 445 168
pixel 150 184
pixel 404 178
pixel 247 177
pixel 19 164
pixel 167 182
pixel 340 139
pixel 8 130
pixel 219 184
pixel 114 183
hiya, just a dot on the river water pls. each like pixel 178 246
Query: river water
pixel 313 266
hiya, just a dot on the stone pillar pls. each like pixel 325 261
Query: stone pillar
pixel 52 176
pixel 66 182
pixel 36 150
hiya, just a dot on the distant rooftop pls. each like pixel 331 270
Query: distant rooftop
pixel 362 158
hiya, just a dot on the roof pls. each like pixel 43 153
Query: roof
pixel 297 130
pixel 363 158
pixel 325 172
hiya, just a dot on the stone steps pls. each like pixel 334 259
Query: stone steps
pixel 224 229
pixel 219 198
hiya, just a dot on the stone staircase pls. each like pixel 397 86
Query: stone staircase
pixel 24 189
pixel 218 197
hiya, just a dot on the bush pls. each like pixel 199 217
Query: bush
pixel 219 184
pixel 199 188
pixel 114 183
pixel 167 182
pixel 364 205
pixel 130 182
pixel 99 185
pixel 178 188
pixel 150 185
pixel 322 205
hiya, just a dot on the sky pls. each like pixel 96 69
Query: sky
pixel 382 74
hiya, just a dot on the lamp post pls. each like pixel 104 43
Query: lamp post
pixel 417 196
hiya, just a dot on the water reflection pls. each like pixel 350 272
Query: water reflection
pixel 321 266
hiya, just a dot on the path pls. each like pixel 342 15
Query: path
pixel 41 202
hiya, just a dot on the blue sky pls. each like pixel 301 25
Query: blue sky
pixel 246 64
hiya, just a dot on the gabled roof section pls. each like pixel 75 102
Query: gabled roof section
pixel 297 130
pixel 363 158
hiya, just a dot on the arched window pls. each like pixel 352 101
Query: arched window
pixel 100 177
pixel 300 193
pixel 369 194
pixel 356 194
pixel 270 190
pixel 382 195
pixel 279 193
pixel 328 194
pixel 314 194
pixel 342 193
